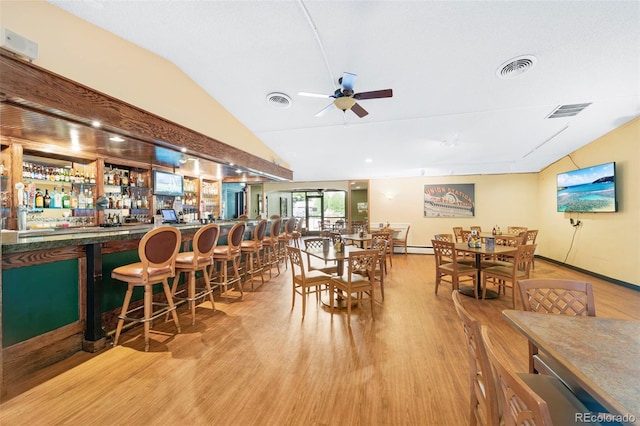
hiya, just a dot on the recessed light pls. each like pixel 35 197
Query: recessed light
pixel 183 149
pixel 368 160
pixel 96 123
pixel 116 139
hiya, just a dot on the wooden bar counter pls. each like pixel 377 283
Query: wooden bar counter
pixel 57 293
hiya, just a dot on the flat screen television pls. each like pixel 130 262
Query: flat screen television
pixel 165 183
pixel 589 190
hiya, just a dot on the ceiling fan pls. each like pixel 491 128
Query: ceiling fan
pixel 345 98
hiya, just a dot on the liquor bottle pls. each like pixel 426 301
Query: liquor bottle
pixel 39 199
pixel 56 199
pixel 46 199
pixel 66 202
pixel 73 199
pixel 82 200
pixel 90 203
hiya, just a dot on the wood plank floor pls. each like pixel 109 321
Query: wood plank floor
pixel 256 362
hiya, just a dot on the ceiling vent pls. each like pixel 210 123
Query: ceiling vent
pixel 568 110
pixel 516 66
pixel 278 100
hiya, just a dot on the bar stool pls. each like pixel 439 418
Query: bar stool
pixel 200 259
pixel 222 255
pixel 251 250
pixel 284 239
pixel 158 249
pixel 270 245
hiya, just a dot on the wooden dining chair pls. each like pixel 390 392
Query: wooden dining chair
pixel 532 235
pixel 483 403
pixel 388 237
pixel 555 296
pixel 478 229
pixel 444 237
pixel 516 229
pixel 531 399
pixel 519 268
pixel 401 241
pixel 457 232
pixel 447 265
pixel 304 281
pixel 358 280
pixel 317 243
pixel 380 244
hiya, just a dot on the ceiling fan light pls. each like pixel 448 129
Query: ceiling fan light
pixel 344 103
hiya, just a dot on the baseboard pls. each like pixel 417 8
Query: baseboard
pixel 413 250
pixel 593 274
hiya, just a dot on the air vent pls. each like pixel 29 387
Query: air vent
pixel 516 66
pixel 568 110
pixel 279 100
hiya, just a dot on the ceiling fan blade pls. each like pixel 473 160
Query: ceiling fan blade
pixel 324 110
pixel 387 93
pixel 348 80
pixel 358 110
pixel 314 95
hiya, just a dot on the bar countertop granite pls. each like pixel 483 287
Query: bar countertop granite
pixel 52 239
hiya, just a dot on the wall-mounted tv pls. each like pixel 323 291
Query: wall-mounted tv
pixel 165 183
pixel 591 190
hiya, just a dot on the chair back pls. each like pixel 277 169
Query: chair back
pixel 274 231
pixel 243 216
pixel 445 252
pixel 484 395
pixel 444 237
pixel 274 217
pixel 555 296
pixel 204 241
pixel 260 231
pixel 290 226
pixel 520 404
pixel 158 249
pixel 235 237
pixel 516 229
pixel 457 232
pixel 297 265
pixel 380 244
pixel 532 234
pixel 478 229
pixel 363 262
pixel 464 234
pixel 299 224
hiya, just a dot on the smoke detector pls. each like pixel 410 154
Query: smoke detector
pixel 279 100
pixel 516 66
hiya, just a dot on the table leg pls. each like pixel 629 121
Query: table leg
pixel 468 291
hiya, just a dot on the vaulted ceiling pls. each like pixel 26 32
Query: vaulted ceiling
pixel 452 112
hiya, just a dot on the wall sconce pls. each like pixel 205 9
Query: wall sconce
pixel 389 196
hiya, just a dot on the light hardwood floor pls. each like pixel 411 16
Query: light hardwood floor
pixel 256 362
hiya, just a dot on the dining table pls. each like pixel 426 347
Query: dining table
pixel 479 253
pixel 329 254
pixel 599 354
pixel 361 239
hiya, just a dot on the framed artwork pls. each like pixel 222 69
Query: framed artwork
pixel 449 200
pixel 283 207
pixel 363 207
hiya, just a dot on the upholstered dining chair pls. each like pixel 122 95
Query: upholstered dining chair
pixel 358 280
pixel 531 399
pixel 519 268
pixel 516 229
pixel 304 281
pixel 285 238
pixel 296 235
pixel 446 259
pixel 157 250
pixel 200 259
